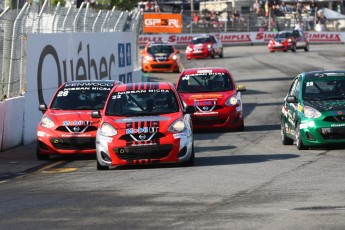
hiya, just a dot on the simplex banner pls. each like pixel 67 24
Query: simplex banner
pixel 242 38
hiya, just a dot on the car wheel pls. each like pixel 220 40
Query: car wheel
pixel 306 48
pixel 285 139
pixel 221 54
pixel 190 162
pixel 241 128
pixel 41 156
pixel 299 142
pixel 293 48
pixel 101 167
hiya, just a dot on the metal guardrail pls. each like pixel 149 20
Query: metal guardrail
pixel 16 24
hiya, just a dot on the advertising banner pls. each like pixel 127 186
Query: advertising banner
pixel 162 23
pixel 243 38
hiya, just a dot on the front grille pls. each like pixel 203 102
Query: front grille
pixel 339 118
pixel 161 59
pixel 74 143
pixel 128 137
pixel 81 127
pixel 143 152
pixel 337 133
pixel 208 120
pixel 161 66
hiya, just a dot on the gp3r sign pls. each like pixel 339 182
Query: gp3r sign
pixel 162 23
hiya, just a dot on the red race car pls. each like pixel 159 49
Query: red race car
pixel 144 123
pixel 204 46
pixel 289 40
pixel 214 94
pixel 160 57
pixel 66 126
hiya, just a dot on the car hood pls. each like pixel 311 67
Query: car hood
pixel 323 106
pixel 72 117
pixel 192 99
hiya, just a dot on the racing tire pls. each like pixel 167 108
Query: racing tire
pixel 299 142
pixel 293 49
pixel 190 162
pixel 285 139
pixel 101 167
pixel 41 156
pixel 306 48
pixel 221 55
pixel 241 128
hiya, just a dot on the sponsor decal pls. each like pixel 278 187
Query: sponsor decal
pixel 143 144
pixel 162 23
pixel 179 135
pixel 104 139
pixel 337 125
pixel 201 96
pixel 299 108
pixel 234 38
pixel 323 37
pixel 76 135
pixel 264 37
pixel 75 122
pixel 142 130
pixel 40 134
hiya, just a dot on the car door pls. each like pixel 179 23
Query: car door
pixel 290 108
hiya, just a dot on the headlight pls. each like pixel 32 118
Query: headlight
pixel 232 101
pixel 189 49
pixel 310 112
pixel 107 130
pixel 148 58
pixel 209 46
pixel 177 127
pixel 174 57
pixel 47 122
pixel 289 40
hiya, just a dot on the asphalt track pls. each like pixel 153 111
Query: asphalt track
pixel 241 180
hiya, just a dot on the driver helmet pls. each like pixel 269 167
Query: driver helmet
pixel 218 81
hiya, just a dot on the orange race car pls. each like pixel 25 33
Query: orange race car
pixel 160 57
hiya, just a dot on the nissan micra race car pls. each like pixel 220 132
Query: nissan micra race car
pixel 144 123
pixel 66 126
pixel 289 40
pixel 216 97
pixel 204 46
pixel 313 113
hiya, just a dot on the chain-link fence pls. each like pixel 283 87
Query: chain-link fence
pixel 17 23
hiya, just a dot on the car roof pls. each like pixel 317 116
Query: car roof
pixel 159 43
pixel 213 69
pixel 322 73
pixel 95 81
pixel 144 86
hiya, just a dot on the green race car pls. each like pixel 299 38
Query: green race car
pixel 313 112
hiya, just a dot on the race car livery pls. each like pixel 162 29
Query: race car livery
pixel 313 113
pixel 66 126
pixel 204 46
pixel 144 123
pixel 160 57
pixel 215 96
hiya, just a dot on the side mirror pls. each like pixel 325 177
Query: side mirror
pixel 96 114
pixel 42 107
pixel 291 99
pixel 190 109
pixel 241 87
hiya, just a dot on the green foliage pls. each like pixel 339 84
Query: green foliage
pixel 55 2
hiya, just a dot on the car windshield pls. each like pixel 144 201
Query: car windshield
pixel 325 88
pixel 85 97
pixel 154 49
pixel 142 103
pixel 283 35
pixel 199 40
pixel 205 82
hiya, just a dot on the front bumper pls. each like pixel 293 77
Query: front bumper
pixel 227 117
pixel 170 149
pixel 51 142
pixel 322 133
pixel 166 66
